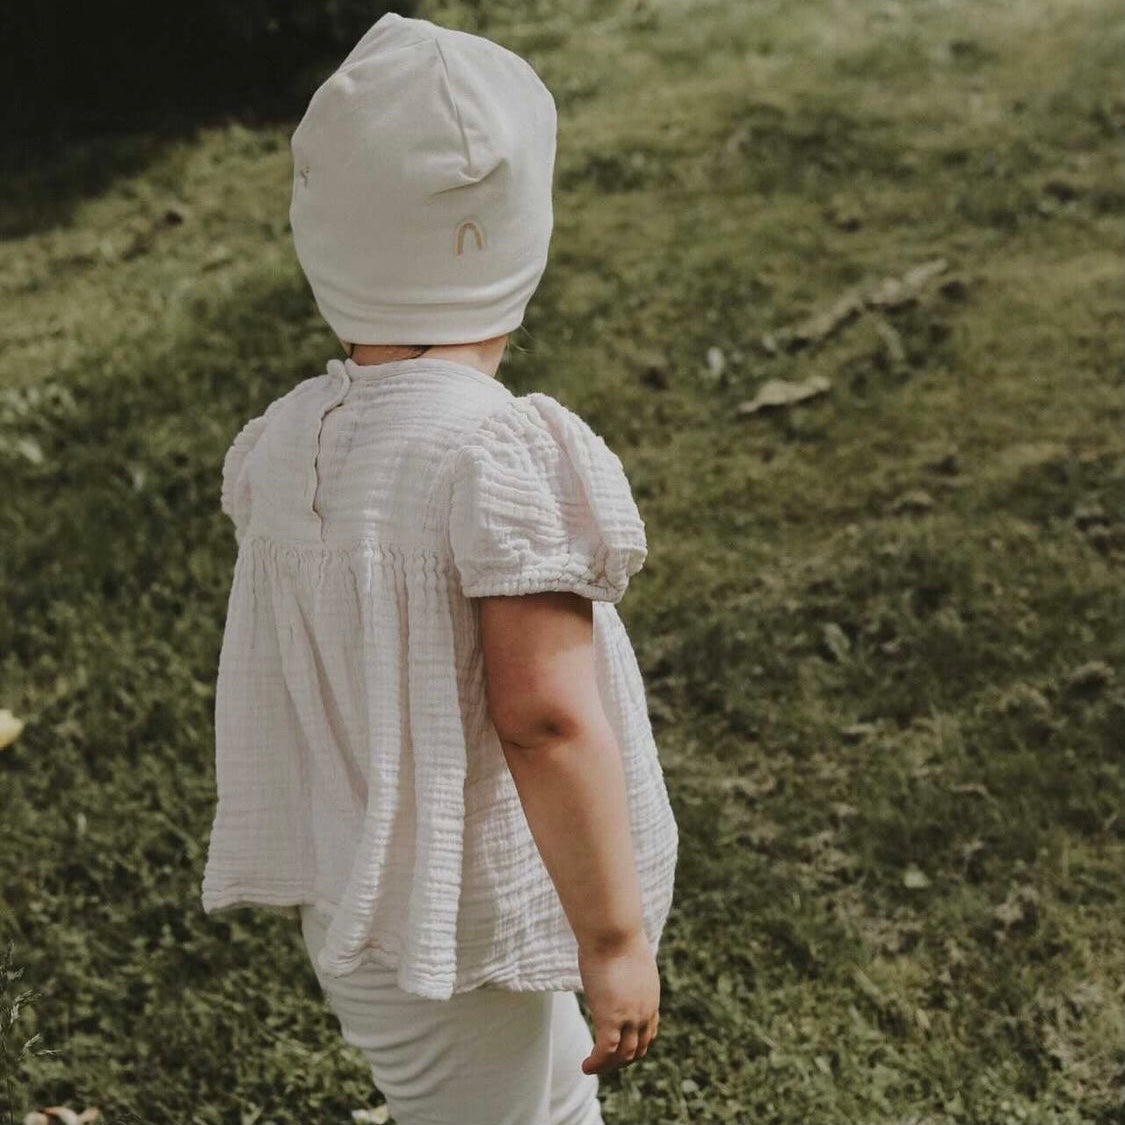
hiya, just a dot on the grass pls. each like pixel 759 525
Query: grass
pixel 890 725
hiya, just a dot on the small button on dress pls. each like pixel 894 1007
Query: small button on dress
pixel 356 767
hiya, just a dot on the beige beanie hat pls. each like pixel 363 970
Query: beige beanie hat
pixel 422 173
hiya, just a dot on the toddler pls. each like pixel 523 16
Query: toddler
pixel 433 749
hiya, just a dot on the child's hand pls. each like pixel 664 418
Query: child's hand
pixel 622 989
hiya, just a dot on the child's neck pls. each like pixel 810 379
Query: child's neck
pixel 484 355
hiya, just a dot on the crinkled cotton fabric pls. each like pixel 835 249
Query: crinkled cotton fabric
pixel 357 770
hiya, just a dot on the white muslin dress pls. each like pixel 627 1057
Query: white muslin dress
pixel 356 767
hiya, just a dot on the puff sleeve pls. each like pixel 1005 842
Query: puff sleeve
pixel 234 495
pixel 538 502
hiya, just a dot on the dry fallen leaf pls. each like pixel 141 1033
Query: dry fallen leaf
pixel 66 1115
pixel 781 392
pixel 915 878
pixel 10 727
pixel 889 293
pixel 895 292
pixel 916 500
pixel 30 448
pixel 377 1116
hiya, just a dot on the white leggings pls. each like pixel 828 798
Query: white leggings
pixel 485 1057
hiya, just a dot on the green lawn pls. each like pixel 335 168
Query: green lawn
pixel 881 629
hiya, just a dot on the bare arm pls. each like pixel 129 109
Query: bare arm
pixel 565 761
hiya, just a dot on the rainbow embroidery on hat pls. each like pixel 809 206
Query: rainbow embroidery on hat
pixel 465 227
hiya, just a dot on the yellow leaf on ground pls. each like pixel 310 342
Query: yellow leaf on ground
pixel 377 1116
pixel 10 727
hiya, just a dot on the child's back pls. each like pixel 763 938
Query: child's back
pixel 356 763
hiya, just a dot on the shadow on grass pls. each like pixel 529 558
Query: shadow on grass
pixel 51 175
pixel 49 179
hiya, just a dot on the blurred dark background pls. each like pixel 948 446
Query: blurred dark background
pixel 92 91
pixel 78 68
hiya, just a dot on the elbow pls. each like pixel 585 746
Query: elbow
pixel 540 729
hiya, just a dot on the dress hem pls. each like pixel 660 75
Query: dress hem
pixel 562 980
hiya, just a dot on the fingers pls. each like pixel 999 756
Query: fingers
pixel 618 1047
pixel 627 1048
pixel 647 1037
pixel 601 1057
